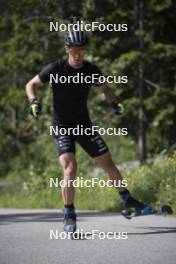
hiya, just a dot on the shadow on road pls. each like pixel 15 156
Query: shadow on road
pixel 26 217
pixel 46 216
pixel 156 230
pixel 153 230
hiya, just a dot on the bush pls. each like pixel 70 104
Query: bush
pixel 155 184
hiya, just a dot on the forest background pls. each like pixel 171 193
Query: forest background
pixel 146 53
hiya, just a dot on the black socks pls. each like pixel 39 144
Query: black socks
pixel 69 206
pixel 125 195
pixel 69 210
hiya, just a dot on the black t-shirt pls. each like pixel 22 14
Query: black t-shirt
pixel 70 99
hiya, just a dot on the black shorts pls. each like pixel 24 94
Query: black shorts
pixel 66 137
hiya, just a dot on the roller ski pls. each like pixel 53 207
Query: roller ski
pixel 129 213
pixel 69 220
pixel 70 226
pixel 135 208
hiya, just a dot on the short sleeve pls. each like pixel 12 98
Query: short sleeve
pixel 98 72
pixel 44 74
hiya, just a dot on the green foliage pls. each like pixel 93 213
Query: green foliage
pixel 153 184
pixel 26 150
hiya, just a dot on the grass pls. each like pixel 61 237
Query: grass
pixel 96 198
pixel 154 183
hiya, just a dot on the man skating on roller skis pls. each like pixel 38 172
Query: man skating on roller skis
pixel 70 110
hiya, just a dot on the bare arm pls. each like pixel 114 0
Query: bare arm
pixel 31 87
pixel 109 95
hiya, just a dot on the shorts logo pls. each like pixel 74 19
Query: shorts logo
pixel 102 149
pixel 93 139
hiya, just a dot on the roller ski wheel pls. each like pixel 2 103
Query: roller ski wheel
pixel 129 213
pixel 70 223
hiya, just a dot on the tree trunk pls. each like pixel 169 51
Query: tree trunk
pixel 141 115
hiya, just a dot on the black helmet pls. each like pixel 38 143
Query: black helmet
pixel 76 38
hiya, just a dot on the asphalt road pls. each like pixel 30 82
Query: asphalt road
pixel 25 239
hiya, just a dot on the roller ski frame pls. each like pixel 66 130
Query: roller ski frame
pixel 129 213
pixel 70 224
pixel 71 228
pixel 69 221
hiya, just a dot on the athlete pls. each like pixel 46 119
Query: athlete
pixel 70 110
